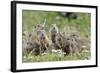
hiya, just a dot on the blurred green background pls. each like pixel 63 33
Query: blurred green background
pixel 30 18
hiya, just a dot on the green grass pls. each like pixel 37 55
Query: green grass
pixel 56 57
